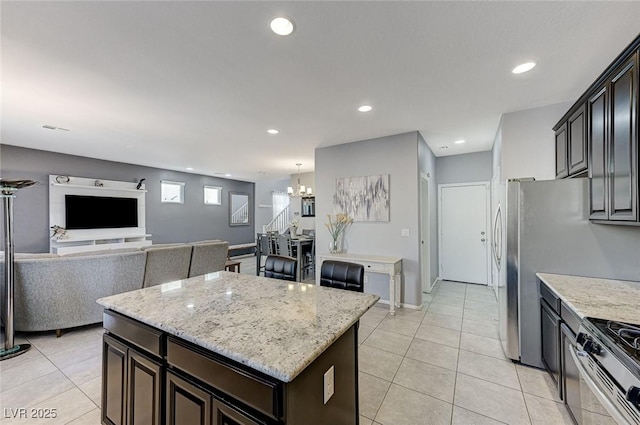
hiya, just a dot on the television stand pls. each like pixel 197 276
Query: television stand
pixel 97 243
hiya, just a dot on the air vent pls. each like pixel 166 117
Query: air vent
pixel 606 381
pixel 626 408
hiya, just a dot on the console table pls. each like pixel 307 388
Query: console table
pixel 373 264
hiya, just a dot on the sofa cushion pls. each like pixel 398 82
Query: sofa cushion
pixel 166 264
pixel 208 258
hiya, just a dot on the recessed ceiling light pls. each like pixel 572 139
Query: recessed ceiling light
pixel 227 175
pixel 189 168
pixel 272 131
pixel 282 26
pixel 365 108
pixel 459 142
pixel 524 67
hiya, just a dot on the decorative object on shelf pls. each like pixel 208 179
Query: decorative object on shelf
pixel 363 198
pixel 62 179
pixel 59 232
pixel 7 190
pixel 293 226
pixel 139 186
pixel 337 229
pixel 98 183
pixel 300 191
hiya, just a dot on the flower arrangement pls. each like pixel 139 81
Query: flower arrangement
pixel 293 226
pixel 337 228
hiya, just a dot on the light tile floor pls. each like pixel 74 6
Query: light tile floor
pixel 441 365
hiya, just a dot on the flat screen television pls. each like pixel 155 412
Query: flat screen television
pixel 99 212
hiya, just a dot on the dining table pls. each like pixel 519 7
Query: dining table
pixel 299 243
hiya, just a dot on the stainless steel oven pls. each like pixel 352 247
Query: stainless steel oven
pixel 608 389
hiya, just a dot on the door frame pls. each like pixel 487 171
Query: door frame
pixel 487 186
pixel 425 230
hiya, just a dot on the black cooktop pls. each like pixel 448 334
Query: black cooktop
pixel 622 338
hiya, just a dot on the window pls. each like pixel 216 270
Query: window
pixel 279 201
pixel 172 192
pixel 212 195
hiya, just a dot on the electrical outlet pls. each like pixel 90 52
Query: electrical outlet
pixel 329 384
pixel 404 232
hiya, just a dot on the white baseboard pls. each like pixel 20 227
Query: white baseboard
pixel 402 305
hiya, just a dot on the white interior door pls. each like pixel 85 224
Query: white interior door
pixel 425 240
pixel 464 242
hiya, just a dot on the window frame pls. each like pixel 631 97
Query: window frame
pixel 218 188
pixel 173 183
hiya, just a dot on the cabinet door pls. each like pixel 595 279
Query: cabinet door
pixel 145 390
pixel 577 142
pixel 186 403
pixel 224 415
pixel 562 170
pixel 550 341
pixel 623 154
pixel 114 381
pixel 570 376
pixel 597 134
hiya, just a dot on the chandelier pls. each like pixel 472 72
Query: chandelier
pixel 299 191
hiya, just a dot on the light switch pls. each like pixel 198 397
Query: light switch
pixel 329 383
pixel 404 232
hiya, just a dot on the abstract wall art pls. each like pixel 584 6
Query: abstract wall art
pixel 363 198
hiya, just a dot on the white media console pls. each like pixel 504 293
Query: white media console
pixel 83 240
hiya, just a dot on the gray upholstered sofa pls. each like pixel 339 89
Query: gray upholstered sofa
pixel 60 291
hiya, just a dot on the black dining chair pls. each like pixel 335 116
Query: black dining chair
pixel 280 267
pixel 342 275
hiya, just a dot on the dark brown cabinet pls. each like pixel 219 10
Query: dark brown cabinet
pixel 131 386
pixel 550 322
pixel 562 161
pixel 598 136
pixel 571 146
pixel 613 137
pixel 623 145
pixel 186 403
pixel 577 142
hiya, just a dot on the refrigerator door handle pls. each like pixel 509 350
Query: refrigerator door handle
pixel 496 245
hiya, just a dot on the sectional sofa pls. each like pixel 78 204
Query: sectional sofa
pixel 55 292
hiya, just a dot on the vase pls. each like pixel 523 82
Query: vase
pixel 334 245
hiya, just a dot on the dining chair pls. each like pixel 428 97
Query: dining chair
pixel 284 246
pixel 342 275
pixel 280 267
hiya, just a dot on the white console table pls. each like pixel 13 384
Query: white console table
pixel 96 243
pixel 372 264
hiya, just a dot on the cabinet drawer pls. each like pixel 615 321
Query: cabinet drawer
pixel 137 333
pixel 375 267
pixel 552 299
pixel 260 392
pixel 570 318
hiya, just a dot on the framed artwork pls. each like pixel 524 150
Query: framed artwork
pixel 363 198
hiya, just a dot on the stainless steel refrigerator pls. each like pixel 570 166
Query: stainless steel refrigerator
pixel 545 228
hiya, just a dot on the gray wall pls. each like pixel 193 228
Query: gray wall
pixel 470 167
pixel 427 164
pixel 397 156
pixel 186 222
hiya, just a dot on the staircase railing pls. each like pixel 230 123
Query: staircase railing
pixel 241 215
pixel 279 223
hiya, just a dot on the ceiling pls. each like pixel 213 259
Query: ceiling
pixel 197 84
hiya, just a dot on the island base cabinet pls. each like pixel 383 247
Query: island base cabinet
pixel 131 386
pixel 186 403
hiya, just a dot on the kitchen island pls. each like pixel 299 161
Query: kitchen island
pixel 226 348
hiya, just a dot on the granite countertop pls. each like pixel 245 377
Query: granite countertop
pixel 274 326
pixel 597 298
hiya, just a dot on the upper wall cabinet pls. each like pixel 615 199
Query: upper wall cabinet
pixel 599 134
pixel 571 146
